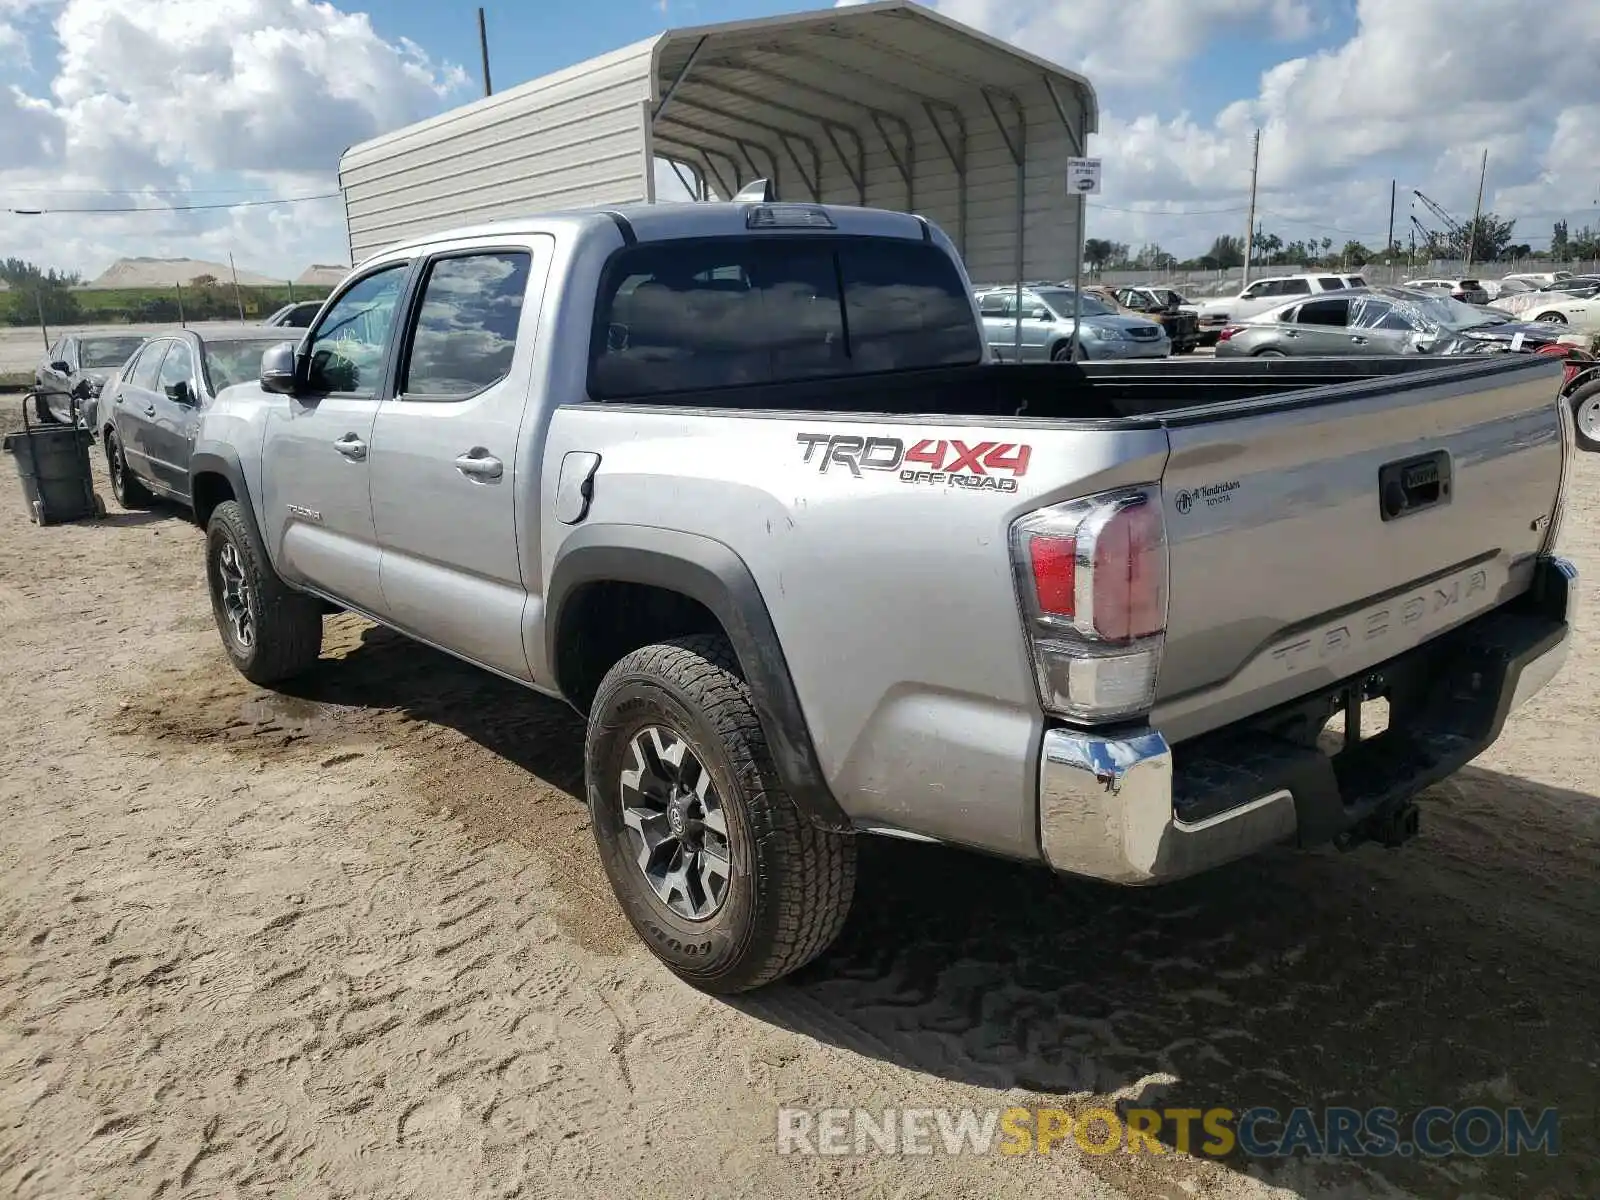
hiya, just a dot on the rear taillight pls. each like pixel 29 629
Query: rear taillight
pixel 1092 579
pixel 1227 332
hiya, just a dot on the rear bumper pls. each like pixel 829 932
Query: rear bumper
pixel 1129 808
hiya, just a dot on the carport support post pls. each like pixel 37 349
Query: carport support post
pixel 1077 276
pixel 177 286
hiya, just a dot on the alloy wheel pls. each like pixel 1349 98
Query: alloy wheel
pixel 675 823
pixel 236 596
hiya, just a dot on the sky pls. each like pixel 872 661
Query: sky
pixel 224 104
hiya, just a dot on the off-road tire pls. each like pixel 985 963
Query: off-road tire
pixel 287 624
pixel 791 882
pixel 125 485
pixel 1587 396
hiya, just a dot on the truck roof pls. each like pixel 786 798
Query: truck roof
pixel 661 222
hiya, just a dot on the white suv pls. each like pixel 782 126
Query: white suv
pixel 1264 294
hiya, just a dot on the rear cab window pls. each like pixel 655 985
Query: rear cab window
pixel 723 312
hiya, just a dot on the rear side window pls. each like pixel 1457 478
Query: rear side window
pixel 1324 312
pixel 148 367
pixel 466 327
pixel 689 315
pixel 1331 283
pixel 1470 285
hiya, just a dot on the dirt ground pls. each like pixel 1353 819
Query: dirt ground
pixel 353 940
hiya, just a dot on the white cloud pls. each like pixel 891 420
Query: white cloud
pixel 1416 94
pixel 151 97
pixel 1115 43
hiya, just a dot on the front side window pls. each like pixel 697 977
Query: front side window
pixel 466 328
pixel 178 368
pixel 149 365
pixel 682 316
pixel 346 351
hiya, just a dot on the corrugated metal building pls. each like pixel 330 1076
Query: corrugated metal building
pixel 886 104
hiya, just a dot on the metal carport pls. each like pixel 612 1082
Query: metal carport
pixel 885 104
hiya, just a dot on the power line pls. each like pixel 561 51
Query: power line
pixel 172 208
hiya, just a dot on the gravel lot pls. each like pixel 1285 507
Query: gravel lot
pixel 353 940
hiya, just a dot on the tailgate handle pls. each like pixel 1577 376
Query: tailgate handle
pixel 1413 484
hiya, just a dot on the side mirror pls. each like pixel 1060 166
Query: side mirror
pixel 1040 314
pixel 62 367
pixel 278 369
pixel 179 392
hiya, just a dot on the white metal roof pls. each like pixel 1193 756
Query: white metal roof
pixel 885 104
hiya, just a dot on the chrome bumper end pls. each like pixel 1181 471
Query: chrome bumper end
pixel 1106 800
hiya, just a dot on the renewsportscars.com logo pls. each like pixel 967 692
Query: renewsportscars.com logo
pixel 1260 1132
pixel 978 466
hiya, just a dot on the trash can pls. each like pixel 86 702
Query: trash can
pixel 53 464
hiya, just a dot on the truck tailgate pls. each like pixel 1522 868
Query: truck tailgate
pixel 1311 538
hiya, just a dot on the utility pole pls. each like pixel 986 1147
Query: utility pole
pixel 237 299
pixel 1388 242
pixel 1250 225
pixel 182 321
pixel 38 299
pixel 483 47
pixel 1477 212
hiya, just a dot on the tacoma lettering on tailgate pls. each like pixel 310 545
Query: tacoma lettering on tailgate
pixel 948 462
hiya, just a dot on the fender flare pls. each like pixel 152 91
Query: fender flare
pixel 219 458
pixel 707 571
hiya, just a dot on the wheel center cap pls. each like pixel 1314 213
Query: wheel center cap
pixel 677 815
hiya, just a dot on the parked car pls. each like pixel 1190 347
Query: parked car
pixel 1263 294
pixel 576 456
pixel 1154 304
pixel 1468 291
pixel 1047 332
pixel 81 363
pixel 1579 311
pixel 1499 289
pixel 1539 278
pixel 1379 320
pixel 149 413
pixel 298 315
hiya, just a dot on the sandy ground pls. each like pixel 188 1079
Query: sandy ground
pixel 353 941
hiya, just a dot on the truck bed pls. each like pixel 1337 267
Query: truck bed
pixel 1132 393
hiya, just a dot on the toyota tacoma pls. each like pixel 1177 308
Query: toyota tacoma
pixel 742 485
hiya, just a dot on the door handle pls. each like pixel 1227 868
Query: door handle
pixel 149 410
pixel 478 463
pixel 1290 333
pixel 351 447
pixel 1358 340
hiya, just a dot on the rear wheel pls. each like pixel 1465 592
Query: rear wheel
pixel 1585 403
pixel 1551 318
pixel 726 881
pixel 1270 353
pixel 125 486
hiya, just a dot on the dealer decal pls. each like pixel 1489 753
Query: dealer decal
pixel 975 466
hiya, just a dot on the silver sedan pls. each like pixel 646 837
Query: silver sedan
pixel 1047 332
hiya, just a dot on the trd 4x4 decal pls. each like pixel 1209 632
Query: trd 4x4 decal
pixel 951 462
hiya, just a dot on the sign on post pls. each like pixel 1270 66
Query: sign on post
pixel 1083 176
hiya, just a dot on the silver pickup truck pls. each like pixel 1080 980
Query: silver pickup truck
pixel 739 483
